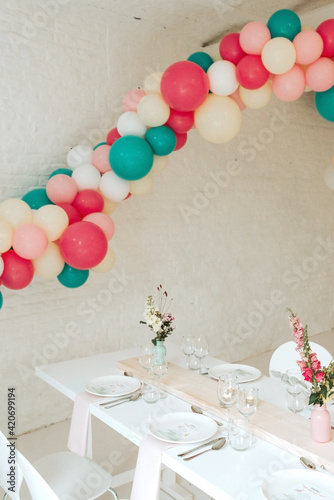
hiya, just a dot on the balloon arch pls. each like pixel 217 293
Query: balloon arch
pixel 63 231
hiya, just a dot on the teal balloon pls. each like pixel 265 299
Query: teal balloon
pixel 284 23
pixel 72 278
pixel 1 300
pixel 161 139
pixel 37 198
pixel 65 171
pixel 202 59
pixel 131 157
pixel 324 102
pixel 99 144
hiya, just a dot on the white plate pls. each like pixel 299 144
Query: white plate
pixel 244 373
pixel 112 385
pixel 274 487
pixel 183 427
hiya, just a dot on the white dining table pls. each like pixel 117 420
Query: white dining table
pixel 223 475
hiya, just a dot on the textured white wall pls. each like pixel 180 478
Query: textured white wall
pixel 234 232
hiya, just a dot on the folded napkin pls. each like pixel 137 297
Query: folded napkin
pixel 146 482
pixel 79 429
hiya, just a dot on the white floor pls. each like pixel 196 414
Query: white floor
pixel 124 454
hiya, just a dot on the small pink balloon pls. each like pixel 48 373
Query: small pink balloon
pixel 30 241
pixel 132 98
pixel 236 97
pixel 289 86
pixel 309 46
pixel 100 158
pixel 112 136
pixel 253 37
pixel 103 221
pixel 320 74
pixel 61 188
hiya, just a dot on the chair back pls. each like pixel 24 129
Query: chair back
pixel 38 488
pixel 285 356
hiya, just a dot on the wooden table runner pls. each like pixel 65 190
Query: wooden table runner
pixel 278 426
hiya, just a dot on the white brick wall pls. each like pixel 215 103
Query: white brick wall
pixel 233 250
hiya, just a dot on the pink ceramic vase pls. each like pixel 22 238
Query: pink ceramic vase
pixel 321 424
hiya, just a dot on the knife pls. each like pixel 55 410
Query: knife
pixel 198 447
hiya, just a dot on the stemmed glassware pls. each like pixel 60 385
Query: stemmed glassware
pixel 247 402
pixel 201 349
pixel 188 347
pixel 146 358
pixel 159 369
pixel 227 388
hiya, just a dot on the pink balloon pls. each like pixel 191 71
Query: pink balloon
pixel 88 201
pixel 29 241
pixel 251 73
pixel 230 49
pixel 100 158
pixel 236 97
pixel 253 37
pixel 308 45
pixel 103 221
pixel 18 272
pixel 290 85
pixel 72 212
pixel 61 188
pixel 326 31
pixel 132 98
pixel 112 136
pixel 181 139
pixel 320 74
pixel 83 245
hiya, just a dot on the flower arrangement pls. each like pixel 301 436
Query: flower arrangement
pixel 160 322
pixel 321 378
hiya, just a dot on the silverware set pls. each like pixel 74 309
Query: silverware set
pixel 119 401
pixel 215 444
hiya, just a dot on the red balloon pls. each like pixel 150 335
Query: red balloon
pixel 326 31
pixel 18 272
pixel 184 86
pixel 88 201
pixel 181 139
pixel 112 136
pixel 180 121
pixel 83 245
pixel 230 48
pixel 72 213
pixel 251 73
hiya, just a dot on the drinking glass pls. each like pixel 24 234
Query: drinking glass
pixel 188 346
pixel 201 349
pixel 146 358
pixel 227 392
pixel 159 369
pixel 247 401
pixel 295 395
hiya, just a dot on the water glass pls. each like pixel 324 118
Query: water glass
pixel 240 435
pixel 295 394
pixel 188 347
pixel 150 393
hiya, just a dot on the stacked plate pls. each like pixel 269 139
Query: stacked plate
pixel 113 386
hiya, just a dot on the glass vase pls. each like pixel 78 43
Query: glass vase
pixel 320 424
pixel 160 352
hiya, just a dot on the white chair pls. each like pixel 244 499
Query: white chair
pixel 59 476
pixel 285 357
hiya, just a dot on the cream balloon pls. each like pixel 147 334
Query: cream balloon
pixel 50 264
pixel 223 78
pixel 218 119
pixel 53 219
pixel 6 236
pixel 152 83
pixel 86 176
pixel 113 187
pixel 16 212
pixel 329 177
pixel 143 186
pixel 107 264
pixel 2 265
pixel 159 163
pixel 278 55
pixel 78 155
pixel 153 111
pixel 109 206
pixel 129 124
pixel 258 98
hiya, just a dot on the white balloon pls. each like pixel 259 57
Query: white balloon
pixel 223 78
pixel 86 176
pixel 113 187
pixel 78 155
pixel 129 124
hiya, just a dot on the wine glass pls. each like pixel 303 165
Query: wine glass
pixel 188 346
pixel 247 402
pixel 159 369
pixel 201 349
pixel 295 393
pixel 227 392
pixel 146 358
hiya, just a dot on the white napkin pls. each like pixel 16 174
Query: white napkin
pixel 79 429
pixel 146 482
